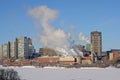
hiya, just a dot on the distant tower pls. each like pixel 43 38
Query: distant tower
pixel 96 42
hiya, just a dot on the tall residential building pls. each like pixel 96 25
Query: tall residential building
pixel 22 47
pixel 31 49
pixel 96 42
pixel 6 50
pixel 12 50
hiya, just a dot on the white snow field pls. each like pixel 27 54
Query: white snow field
pixel 54 73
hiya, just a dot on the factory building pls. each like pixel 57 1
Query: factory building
pixel 86 60
pixel 67 60
pixel 113 54
pixel 47 52
pixel 96 42
pixel 47 59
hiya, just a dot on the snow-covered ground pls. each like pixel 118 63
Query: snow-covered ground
pixel 54 73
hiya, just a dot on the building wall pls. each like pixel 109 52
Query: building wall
pixel 22 43
pixel 47 52
pixel 110 56
pixel 5 50
pixel 78 60
pixel 96 42
pixel 18 49
pixel 67 58
pixel 31 49
pixel 86 60
pixel 113 55
pixel 0 52
pixel 12 50
pixel 116 54
pixel 47 59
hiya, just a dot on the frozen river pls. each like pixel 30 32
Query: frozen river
pixel 69 74
pixel 30 73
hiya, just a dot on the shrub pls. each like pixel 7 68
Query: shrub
pixel 8 74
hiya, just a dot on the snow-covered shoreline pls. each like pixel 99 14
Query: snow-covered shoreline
pixel 54 67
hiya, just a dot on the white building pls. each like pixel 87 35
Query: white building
pixel 22 47
pixel 5 50
pixel 12 50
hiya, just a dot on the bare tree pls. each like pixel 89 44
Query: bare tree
pixel 8 74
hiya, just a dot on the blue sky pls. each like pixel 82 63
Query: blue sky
pixel 85 15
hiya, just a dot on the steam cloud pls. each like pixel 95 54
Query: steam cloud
pixel 50 36
pixel 83 38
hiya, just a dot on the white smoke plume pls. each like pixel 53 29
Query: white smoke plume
pixel 83 38
pixel 72 27
pixel 50 36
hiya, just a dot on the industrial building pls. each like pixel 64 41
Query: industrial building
pixel 67 60
pixel 113 54
pixel 96 42
pixel 81 47
pixel 47 59
pixel 47 52
pixel 86 60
